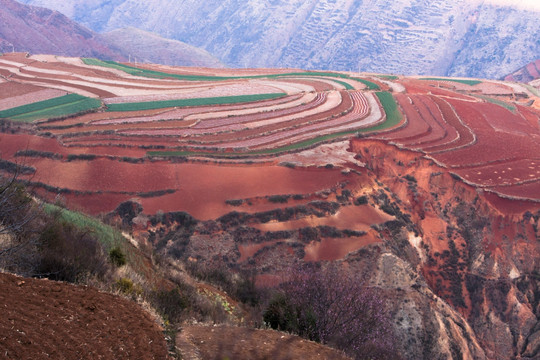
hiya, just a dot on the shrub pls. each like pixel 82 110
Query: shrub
pixel 70 254
pixel 117 256
pixel 280 314
pixel 410 178
pixel 336 308
pixel 170 304
pixel 362 200
pixel 128 287
pixel 234 202
pixel 278 198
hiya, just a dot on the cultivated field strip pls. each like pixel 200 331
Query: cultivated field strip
pixel 101 114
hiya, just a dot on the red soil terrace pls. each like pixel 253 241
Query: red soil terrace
pixel 445 121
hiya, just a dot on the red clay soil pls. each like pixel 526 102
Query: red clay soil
pixel 359 218
pixel 332 249
pixel 43 319
pixel 230 342
pixel 11 88
pixel 201 189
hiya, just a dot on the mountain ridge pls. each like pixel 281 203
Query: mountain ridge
pixel 478 39
pixel 38 30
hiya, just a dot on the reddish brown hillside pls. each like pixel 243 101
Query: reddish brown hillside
pixel 526 74
pixel 43 31
pixel 44 319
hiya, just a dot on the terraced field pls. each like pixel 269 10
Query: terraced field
pixel 100 133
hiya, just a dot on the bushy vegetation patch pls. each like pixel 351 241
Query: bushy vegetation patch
pixel 106 234
pixel 117 256
pixel 38 154
pixel 14 168
pixel 70 254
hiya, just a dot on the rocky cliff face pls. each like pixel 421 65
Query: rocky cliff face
pixel 460 277
pixel 483 263
pixel 459 38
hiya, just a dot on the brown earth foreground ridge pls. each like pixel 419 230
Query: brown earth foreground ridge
pixel 42 319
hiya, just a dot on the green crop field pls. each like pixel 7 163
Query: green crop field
pixel 370 85
pixel 57 107
pixel 393 115
pixel 149 105
pixel 388 77
pixel 467 82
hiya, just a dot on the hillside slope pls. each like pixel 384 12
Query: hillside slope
pixel 528 73
pixel 43 31
pixel 147 47
pixel 39 30
pixel 456 38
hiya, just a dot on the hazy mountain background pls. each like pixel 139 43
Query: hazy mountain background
pixel 38 30
pixel 472 38
pixel 43 31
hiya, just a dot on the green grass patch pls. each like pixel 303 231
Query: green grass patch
pixel 467 82
pixel 107 235
pixel 504 104
pixel 345 84
pixel 56 107
pixel 393 118
pixel 388 77
pixel 192 102
pixel 370 85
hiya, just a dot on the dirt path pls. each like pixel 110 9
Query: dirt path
pixel 230 342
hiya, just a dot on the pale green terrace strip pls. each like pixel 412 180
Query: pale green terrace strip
pixel 504 104
pixel 56 107
pixel 393 118
pixel 150 105
pixel 466 82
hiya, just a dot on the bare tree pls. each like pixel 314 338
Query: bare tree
pixel 333 306
pixel 17 212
